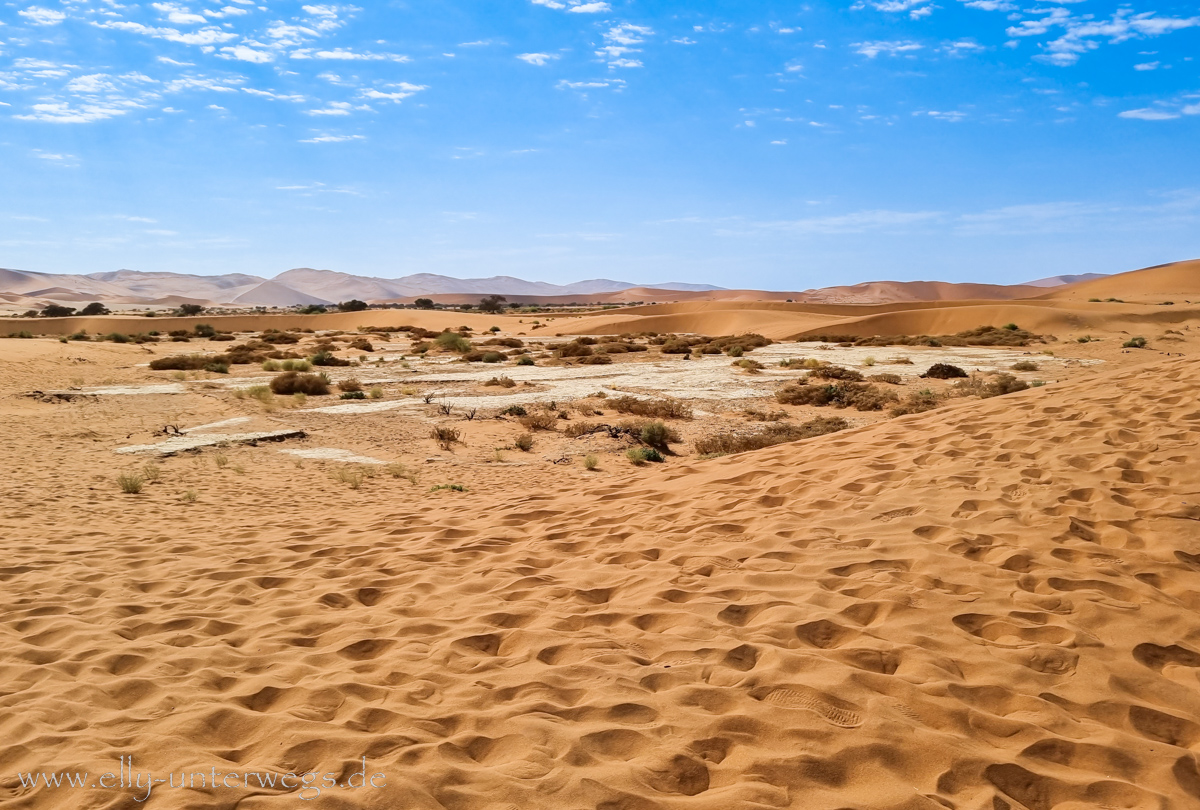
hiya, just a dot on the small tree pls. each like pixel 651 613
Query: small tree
pixel 56 311
pixel 95 308
pixel 423 303
pixel 190 309
pixel 492 304
pixel 353 305
pixel 313 309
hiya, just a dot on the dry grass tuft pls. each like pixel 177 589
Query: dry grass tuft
pixel 446 437
pixel 294 382
pixel 654 408
pixel 130 483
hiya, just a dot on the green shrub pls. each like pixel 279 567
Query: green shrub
pixel 204 330
pixel 640 455
pixel 514 410
pixel 835 373
pixel 493 357
pixel 352 395
pixel 326 358
pixel 130 483
pixel 656 434
pixel 525 360
pixel 1134 343
pixel 217 367
pixel 454 342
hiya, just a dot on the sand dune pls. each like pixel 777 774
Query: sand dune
pixel 987 606
pixel 1152 285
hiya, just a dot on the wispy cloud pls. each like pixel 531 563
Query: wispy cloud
pixel 891 48
pixel 537 58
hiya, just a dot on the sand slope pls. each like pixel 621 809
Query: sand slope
pixel 1151 284
pixel 986 607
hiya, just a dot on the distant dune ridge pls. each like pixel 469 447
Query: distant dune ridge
pixel 294 287
pixel 303 286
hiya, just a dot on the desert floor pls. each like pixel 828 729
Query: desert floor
pixel 987 606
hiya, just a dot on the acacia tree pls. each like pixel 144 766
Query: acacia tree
pixel 493 304
pixel 95 308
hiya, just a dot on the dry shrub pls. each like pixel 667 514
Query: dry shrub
pixel 595 360
pixel 181 362
pixel 540 421
pixel 1025 365
pixel 274 336
pixel 446 436
pixel 1009 335
pixel 327 358
pixel 654 408
pixel 890 379
pixel 524 442
pixel 830 372
pixel 361 344
pixel 576 348
pixel 577 429
pixel 294 382
pixel 860 396
pixel 656 434
pixel 997 386
pixel 350 384
pixel 723 443
pixel 504 381
pixel 899 360
pixel 750 366
pixel 917 402
pixel 943 371
pixel 510 342
pixel 764 416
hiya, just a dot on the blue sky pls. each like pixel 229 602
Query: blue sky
pixel 743 144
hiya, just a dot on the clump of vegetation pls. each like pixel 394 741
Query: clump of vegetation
pixel 1024 365
pixel 1134 343
pixel 860 396
pixel 446 437
pixel 514 410
pixel 294 382
pixel 525 360
pixel 376 392
pixel 890 379
pixel 453 342
pixel 640 455
pixel 524 442
pixel 286 365
pixel 591 462
pixel 1008 335
pixel 662 408
pixel 764 416
pixel 351 476
pixel 943 371
pixel 778 433
pixel 448 487
pixel 217 367
pixel 492 357
pixel 596 360
pixel 130 483
pixel 987 388
pixel 748 365
pixel 182 362
pixel 830 372
pixel 398 470
pixel 327 358
pixel 656 434
pixel 504 381
pixel 540 421
pixel 579 347
pixel 917 402
pixel 352 395
pixel 350 384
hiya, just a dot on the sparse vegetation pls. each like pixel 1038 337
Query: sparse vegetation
pixel 514 410
pixel 504 381
pixel 540 421
pixel 986 388
pixel 182 362
pixel 446 437
pixel 1134 343
pixel 524 442
pixel 591 462
pixel 525 360
pixel 448 487
pixel 778 433
pixel 860 396
pixel 917 402
pixel 352 395
pixel 830 372
pixel 130 483
pixel 640 455
pixel 351 476
pixel 662 408
pixel 294 382
pixel 1024 365
pixel 889 379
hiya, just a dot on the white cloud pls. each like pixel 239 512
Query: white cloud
pixel 991 5
pixel 569 85
pixel 619 41
pixel 575 6
pixel 537 58
pixel 42 16
pixel 1147 114
pixel 271 94
pixel 873 49
pixel 1083 33
pixel 401 91
pixel 61 112
pixel 589 8
pixel 247 54
pixel 347 55
pixel 779 143
pixel 333 138
pixel 1147 66
pixel 166 60
pixel 178 14
pixel 915 8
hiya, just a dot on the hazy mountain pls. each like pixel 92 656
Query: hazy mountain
pixel 294 287
pixel 1058 281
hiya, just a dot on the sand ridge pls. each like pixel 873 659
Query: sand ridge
pixel 990 605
